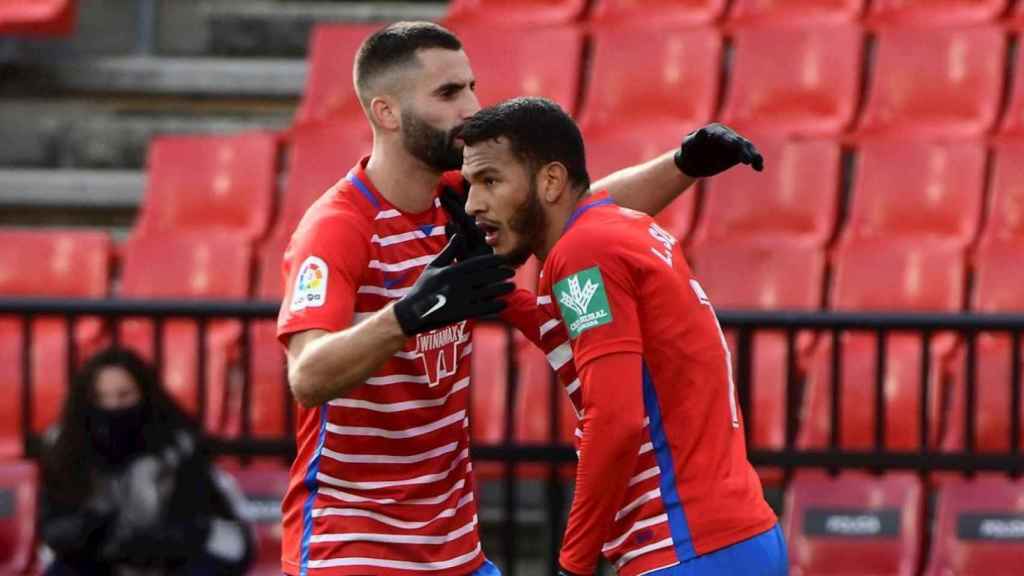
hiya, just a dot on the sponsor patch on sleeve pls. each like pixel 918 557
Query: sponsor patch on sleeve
pixel 583 301
pixel 310 285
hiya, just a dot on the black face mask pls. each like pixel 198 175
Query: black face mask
pixel 117 434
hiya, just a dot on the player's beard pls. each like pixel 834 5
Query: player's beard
pixel 432 146
pixel 528 223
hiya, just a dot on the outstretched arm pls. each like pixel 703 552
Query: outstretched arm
pixel 651 186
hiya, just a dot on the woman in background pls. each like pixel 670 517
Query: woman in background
pixel 126 487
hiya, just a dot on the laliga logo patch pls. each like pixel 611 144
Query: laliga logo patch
pixel 310 285
pixel 439 350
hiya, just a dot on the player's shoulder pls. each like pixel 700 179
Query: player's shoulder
pixel 605 229
pixel 335 215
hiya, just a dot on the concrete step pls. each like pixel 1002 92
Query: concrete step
pixel 114 134
pixel 71 189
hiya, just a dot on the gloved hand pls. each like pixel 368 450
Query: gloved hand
pixel 714 149
pixel 447 293
pixel 461 223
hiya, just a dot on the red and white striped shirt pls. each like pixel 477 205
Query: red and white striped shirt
pixel 382 480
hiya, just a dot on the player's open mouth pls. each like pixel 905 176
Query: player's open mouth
pixel 490 232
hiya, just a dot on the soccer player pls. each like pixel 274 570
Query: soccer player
pixel 663 484
pixel 378 342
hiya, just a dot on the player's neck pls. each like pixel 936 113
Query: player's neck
pixel 556 217
pixel 401 179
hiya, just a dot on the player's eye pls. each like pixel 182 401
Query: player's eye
pixel 489 181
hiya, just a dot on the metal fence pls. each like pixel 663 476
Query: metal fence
pixel 743 325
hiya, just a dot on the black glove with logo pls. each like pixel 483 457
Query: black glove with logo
pixel 447 293
pixel 461 223
pixel 714 149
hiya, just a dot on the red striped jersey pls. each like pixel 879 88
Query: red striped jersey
pixel 381 483
pixel 618 283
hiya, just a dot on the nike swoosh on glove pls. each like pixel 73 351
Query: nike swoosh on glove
pixel 446 293
pixel 714 149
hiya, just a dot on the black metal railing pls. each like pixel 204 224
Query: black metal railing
pixel 743 325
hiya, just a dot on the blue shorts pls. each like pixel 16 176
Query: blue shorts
pixel 762 555
pixel 487 569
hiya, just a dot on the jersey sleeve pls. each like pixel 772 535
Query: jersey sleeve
pixel 594 288
pixel 322 268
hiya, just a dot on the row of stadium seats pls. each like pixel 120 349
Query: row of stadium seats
pixel 37 17
pixel 196 238
pixel 642 88
pixel 850 524
pixel 691 12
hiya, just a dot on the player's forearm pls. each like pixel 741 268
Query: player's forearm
pixel 647 187
pixel 333 364
pixel 612 434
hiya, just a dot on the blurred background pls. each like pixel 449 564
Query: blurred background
pixel 155 156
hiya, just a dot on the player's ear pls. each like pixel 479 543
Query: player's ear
pixel 385 113
pixel 554 182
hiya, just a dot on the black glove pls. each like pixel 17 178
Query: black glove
pixel 713 149
pixel 447 293
pixel 474 241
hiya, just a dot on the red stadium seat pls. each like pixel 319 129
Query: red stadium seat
pixel 227 184
pixel 1005 218
pixel 37 17
pixel 978 529
pixel 997 282
pixel 263 486
pixel 657 13
pixel 18 509
pixel 489 378
pixel 1017 17
pixel 854 525
pixel 799 12
pixel 796 197
pixel 188 267
pixel 520 13
pixel 917 189
pixel 320 154
pixel 667 78
pixel 767 273
pixel 329 92
pixel 48 263
pixel 935 12
pixel 510 63
pixel 884 275
pixel 802 81
pixel 1013 120
pixel 935 82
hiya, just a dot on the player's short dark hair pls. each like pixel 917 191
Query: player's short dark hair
pixel 396 45
pixel 538 131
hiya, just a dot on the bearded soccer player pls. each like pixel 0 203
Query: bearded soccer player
pixel 376 320
pixel 663 483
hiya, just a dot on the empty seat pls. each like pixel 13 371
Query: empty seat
pixel 185 267
pixel 319 154
pixel 998 278
pixel 935 12
pixel 1005 217
pixel 854 524
pixel 210 183
pixel 263 486
pixel 643 78
pixel 979 529
pixel 796 197
pixel 884 275
pixel 800 12
pixel 38 17
pixel 510 62
pixel 917 189
pixel 657 13
pixel 18 512
pixel 47 263
pixel 488 393
pixel 329 92
pixel 767 273
pixel 935 82
pixel 1016 19
pixel 802 81
pixel 515 12
pixel 1013 120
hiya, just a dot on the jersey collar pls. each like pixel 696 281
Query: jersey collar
pixel 591 201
